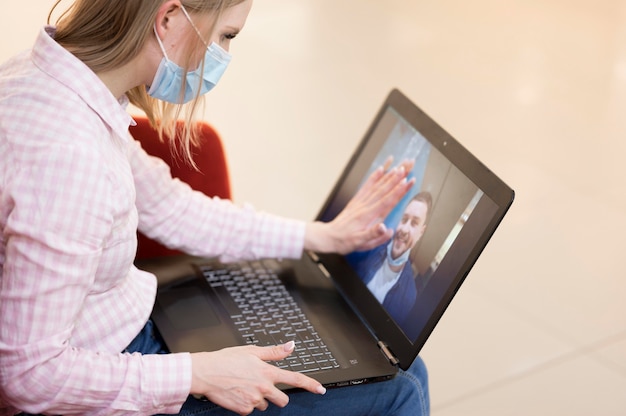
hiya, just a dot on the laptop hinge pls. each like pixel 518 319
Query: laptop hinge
pixel 387 353
pixel 324 270
pixel 313 256
pixel 319 264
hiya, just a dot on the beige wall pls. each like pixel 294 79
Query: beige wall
pixel 19 22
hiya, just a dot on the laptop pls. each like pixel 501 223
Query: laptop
pixel 350 324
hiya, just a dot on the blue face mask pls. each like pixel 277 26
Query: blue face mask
pixel 168 80
pixel 404 257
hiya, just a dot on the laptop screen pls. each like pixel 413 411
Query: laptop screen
pixel 440 227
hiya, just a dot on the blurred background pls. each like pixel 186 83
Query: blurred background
pixel 535 89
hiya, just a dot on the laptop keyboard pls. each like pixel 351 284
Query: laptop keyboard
pixel 266 314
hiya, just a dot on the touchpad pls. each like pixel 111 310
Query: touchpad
pixel 188 308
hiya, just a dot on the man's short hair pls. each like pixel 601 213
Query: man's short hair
pixel 426 198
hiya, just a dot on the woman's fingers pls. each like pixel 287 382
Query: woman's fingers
pixel 241 379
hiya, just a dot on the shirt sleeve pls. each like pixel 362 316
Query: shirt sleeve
pixel 60 214
pixel 179 217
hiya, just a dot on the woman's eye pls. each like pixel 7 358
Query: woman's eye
pixel 229 36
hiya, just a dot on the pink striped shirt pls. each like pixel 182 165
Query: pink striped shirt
pixel 74 187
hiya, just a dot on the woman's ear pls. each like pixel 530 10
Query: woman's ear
pixel 168 10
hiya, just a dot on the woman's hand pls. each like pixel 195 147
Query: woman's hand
pixel 240 379
pixel 360 226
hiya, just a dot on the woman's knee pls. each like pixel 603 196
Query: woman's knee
pixel 414 386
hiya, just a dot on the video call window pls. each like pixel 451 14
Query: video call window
pixel 426 222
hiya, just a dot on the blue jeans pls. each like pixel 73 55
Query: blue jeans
pixel 406 394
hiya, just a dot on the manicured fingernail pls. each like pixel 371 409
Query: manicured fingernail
pixel 321 390
pixel 289 346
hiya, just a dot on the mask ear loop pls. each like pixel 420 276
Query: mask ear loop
pixel 167 59
pixel 216 50
pixel 160 42
pixel 193 25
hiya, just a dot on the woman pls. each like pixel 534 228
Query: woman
pixel 74 187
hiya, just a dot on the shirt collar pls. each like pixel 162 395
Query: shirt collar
pixel 56 61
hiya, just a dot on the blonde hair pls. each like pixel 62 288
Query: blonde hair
pixel 106 34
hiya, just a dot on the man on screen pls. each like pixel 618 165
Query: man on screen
pixel 387 271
